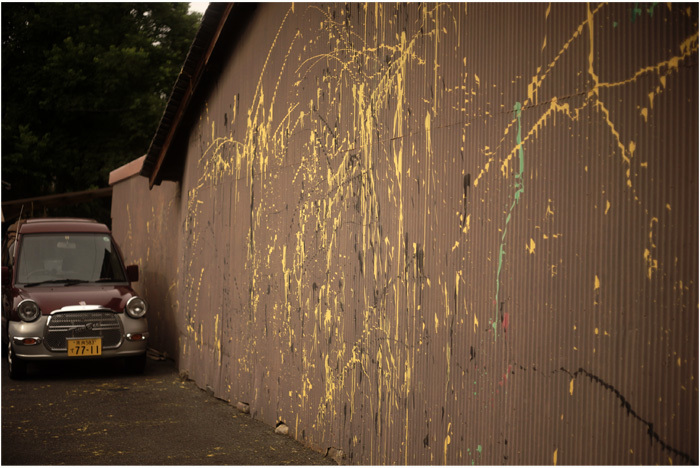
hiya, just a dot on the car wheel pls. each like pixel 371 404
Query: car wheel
pixel 136 364
pixel 18 367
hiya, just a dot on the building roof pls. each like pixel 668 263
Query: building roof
pixel 126 171
pixel 183 91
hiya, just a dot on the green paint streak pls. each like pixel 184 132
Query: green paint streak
pixel 469 452
pixel 614 24
pixel 636 12
pixel 519 189
pixel 650 10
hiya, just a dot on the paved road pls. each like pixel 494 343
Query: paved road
pixel 93 413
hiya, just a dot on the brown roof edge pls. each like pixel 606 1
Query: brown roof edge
pixel 197 58
pixel 127 170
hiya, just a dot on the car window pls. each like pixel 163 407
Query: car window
pixel 84 257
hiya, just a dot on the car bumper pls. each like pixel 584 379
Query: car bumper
pixel 27 340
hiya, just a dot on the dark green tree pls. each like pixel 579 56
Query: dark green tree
pixel 83 88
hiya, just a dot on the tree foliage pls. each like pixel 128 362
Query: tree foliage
pixel 83 88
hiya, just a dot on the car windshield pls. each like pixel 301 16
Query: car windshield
pixel 69 258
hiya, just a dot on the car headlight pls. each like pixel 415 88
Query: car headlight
pixel 136 307
pixel 28 310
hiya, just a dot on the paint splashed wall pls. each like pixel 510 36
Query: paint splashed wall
pixel 145 224
pixel 448 233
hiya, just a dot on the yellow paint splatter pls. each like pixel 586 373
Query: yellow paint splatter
pixel 607 206
pixel 571 387
pixel 596 284
pixel 448 439
pixel 652 264
pixel 476 323
pixel 549 211
pixel 531 247
pixel 555 457
pixel 465 229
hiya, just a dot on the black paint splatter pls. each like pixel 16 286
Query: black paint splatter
pixel 467 184
pixel 653 436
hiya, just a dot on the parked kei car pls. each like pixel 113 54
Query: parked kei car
pixel 66 294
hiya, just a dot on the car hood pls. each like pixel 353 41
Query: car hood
pixel 51 298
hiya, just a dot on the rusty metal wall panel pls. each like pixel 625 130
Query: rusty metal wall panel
pixel 144 224
pixel 451 233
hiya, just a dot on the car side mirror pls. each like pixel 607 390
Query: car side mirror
pixel 132 273
pixel 6 276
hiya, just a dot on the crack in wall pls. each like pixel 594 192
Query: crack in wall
pixel 653 435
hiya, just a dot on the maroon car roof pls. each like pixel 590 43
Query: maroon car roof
pixel 41 225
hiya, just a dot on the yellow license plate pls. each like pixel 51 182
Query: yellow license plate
pixel 85 347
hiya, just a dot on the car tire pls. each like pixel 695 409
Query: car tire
pixel 136 364
pixel 18 367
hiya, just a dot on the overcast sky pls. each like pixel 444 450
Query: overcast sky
pixel 199 7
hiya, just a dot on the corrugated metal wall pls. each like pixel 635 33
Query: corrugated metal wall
pixel 446 233
pixel 146 226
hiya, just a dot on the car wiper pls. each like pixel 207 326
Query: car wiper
pixel 67 282
pixel 73 282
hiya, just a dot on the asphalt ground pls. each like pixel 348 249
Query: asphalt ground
pixel 95 413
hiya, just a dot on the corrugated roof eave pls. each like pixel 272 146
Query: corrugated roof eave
pixel 186 83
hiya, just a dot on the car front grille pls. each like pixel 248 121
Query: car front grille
pixel 93 324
